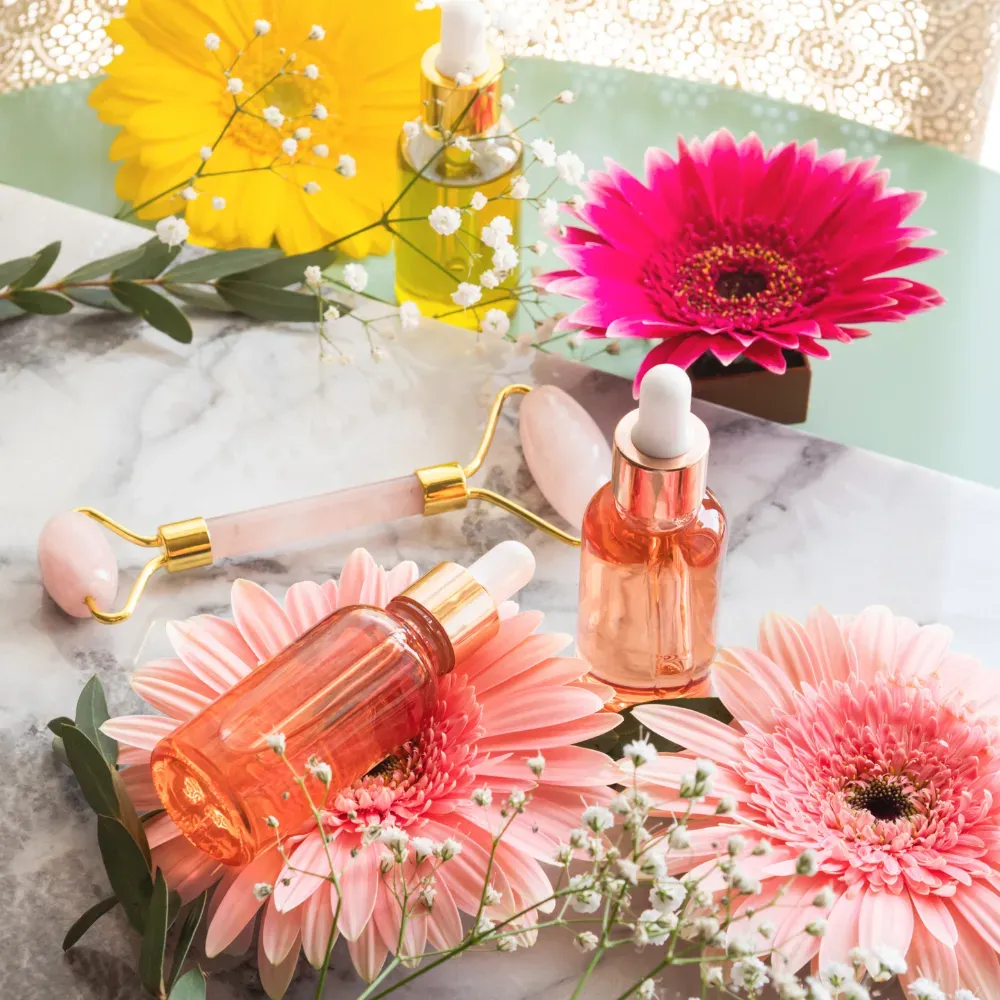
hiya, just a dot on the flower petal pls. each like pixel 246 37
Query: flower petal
pixel 936 916
pixel 360 883
pixel 213 649
pixel 295 883
pixel 317 923
pixel 368 952
pixel 306 603
pixel 401 576
pixel 275 977
pixel 261 620
pixel 143 731
pixel 170 687
pixel 886 919
pixel 280 932
pixel 842 928
pixel 357 569
pixel 700 734
pixel 785 642
pixel 238 905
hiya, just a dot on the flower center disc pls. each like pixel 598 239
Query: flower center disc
pixel 740 284
pixel 883 799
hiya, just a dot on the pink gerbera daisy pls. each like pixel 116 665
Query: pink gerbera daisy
pixel 512 699
pixel 867 742
pixel 737 250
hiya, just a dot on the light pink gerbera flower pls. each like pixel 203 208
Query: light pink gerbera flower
pixel 866 741
pixel 737 250
pixel 511 700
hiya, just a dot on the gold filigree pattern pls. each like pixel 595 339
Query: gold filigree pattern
pixel 924 68
pixel 921 67
pixel 48 41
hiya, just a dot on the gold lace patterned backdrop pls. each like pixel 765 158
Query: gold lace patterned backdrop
pixel 921 67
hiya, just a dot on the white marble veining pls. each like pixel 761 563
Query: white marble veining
pixel 101 411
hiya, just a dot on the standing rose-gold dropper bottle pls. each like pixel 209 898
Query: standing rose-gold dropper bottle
pixel 651 556
pixel 351 690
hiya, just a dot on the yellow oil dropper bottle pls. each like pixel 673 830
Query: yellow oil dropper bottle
pixel 461 80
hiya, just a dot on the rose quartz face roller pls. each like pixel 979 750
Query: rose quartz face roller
pixel 564 449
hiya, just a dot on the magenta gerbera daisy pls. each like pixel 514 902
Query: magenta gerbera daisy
pixel 741 251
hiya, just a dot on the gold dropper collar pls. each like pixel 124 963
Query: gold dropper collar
pixel 460 604
pixel 186 544
pixel 465 109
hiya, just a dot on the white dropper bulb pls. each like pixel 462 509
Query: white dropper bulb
pixel 504 570
pixel 663 428
pixel 463 39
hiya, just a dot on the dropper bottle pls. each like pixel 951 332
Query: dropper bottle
pixel 461 79
pixel 350 691
pixel 653 541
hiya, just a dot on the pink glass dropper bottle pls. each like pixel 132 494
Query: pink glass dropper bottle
pixel 653 541
pixel 350 691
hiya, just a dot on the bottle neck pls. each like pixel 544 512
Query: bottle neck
pixel 426 632
pixel 664 494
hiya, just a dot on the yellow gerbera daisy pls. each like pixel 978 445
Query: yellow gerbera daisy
pixel 264 119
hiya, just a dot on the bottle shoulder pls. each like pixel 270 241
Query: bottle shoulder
pixel 608 533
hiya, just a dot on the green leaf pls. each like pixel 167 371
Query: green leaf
pixel 96 298
pixel 154 938
pixel 130 818
pixel 188 930
pixel 155 257
pixel 99 268
pixel 41 264
pixel 96 778
pixel 630 728
pixel 270 304
pixel 12 270
pixel 202 298
pixel 289 270
pixel 85 922
pixel 91 714
pixel 56 724
pixel 190 986
pixel 44 303
pixel 127 870
pixel 213 266
pixel 154 308
pixel 8 310
pixel 59 749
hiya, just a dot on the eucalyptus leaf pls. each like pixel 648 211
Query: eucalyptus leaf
pixel 154 938
pixel 130 818
pixel 154 308
pixel 270 304
pixel 91 714
pixel 127 870
pixel 8 310
pixel 213 266
pixel 99 268
pixel 201 298
pixel 96 298
pixel 188 930
pixel 12 270
pixel 87 920
pixel 56 725
pixel 289 270
pixel 43 303
pixel 191 986
pixel 155 258
pixel 41 264
pixel 59 749
pixel 97 781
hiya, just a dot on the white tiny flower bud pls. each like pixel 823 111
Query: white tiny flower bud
pixel 536 764
pixel 488 279
pixel 205 152
pixel 492 896
pixel 727 804
pixel 598 818
pixel 319 112
pixel 276 741
pixel 261 27
pixel 302 133
pixel 806 863
pixel 311 72
pixel 463 79
pixel 566 97
pixel 824 898
pixel 262 890
pixel 289 147
pixel 311 187
pixel 449 848
pixel 423 848
pixel 640 752
pixel 507 102
pixel 273 116
pixel 409 315
pixel 189 193
pixel 445 220
pixel 462 144
pixel 466 294
pixel 482 797
pixel 564 854
pixel 586 941
pixel 272 822
pixel 321 149
pixel 316 33
pixel 679 839
pixel 212 42
pixel 347 166
pixel 816 928
pixel 218 203
pixel 520 188
pixel 478 202
pixel 762 848
pixel 235 85
pixel 735 845
pixel 356 277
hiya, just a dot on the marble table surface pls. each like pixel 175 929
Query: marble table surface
pixel 106 412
